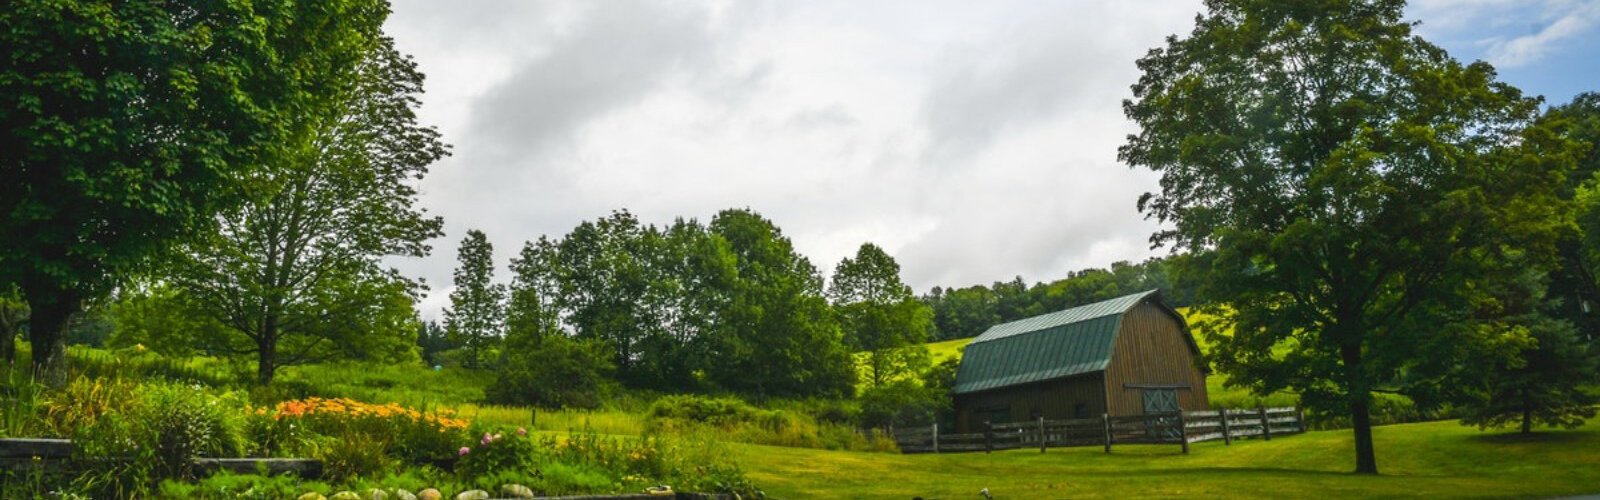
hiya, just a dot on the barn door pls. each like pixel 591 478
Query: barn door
pixel 1161 405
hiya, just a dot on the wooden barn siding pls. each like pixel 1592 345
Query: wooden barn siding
pixel 1150 349
pixel 1054 398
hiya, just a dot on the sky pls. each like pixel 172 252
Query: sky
pixel 974 141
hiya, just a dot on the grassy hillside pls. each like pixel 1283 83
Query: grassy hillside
pixel 1440 459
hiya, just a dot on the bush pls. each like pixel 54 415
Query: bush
pixel 554 371
pixel 497 451
pixel 902 403
pixel 158 437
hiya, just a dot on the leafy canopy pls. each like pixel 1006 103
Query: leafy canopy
pixel 1347 183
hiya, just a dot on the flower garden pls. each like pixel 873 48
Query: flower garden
pixel 139 436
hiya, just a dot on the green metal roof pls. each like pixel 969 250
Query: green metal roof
pixel 1044 347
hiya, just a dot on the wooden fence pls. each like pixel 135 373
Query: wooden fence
pixel 1180 428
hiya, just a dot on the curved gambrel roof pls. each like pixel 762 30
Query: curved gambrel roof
pixel 1050 346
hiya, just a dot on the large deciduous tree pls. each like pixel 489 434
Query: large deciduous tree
pixel 879 315
pixel 128 125
pixel 293 270
pixel 1347 180
pixel 476 316
pixel 778 337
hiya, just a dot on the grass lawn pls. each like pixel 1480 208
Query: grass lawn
pixel 1439 459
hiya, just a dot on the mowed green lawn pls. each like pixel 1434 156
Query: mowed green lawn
pixel 1437 459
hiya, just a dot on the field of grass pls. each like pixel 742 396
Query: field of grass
pixel 1441 459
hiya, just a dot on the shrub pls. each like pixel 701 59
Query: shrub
pixel 497 451
pixel 554 371
pixel 902 403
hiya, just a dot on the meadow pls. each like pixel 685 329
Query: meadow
pixel 782 449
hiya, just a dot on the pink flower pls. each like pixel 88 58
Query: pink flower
pixel 522 431
pixel 487 438
pixel 463 451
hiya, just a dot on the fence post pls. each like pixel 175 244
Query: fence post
pixel 1266 427
pixel 1041 434
pixel 936 437
pixel 1106 418
pixel 1300 418
pixel 988 436
pixel 1183 432
pixel 1227 437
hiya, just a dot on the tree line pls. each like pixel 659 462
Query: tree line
pixel 967 312
pixel 724 306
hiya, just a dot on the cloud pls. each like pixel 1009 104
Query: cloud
pixel 975 141
pixel 1574 19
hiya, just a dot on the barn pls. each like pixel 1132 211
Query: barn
pixel 1129 355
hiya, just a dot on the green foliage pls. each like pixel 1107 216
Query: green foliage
pixel 156 436
pixel 497 451
pixel 551 372
pixel 903 403
pixel 1349 185
pixel 146 117
pixel 13 314
pixel 880 316
pixel 966 312
pixel 1542 384
pixel 780 338
pixel 476 312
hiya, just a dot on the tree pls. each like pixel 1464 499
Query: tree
pixel 1542 382
pixel 308 253
pixel 432 340
pixel 161 317
pixel 777 335
pixel 554 371
pixel 1575 284
pixel 879 315
pixel 1346 181
pixel 128 125
pixel 532 308
pixel 477 310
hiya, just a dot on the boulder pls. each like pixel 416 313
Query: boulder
pixel 312 496
pixel 473 495
pixel 345 495
pixel 516 491
pixel 430 494
pixel 376 494
pixel 401 494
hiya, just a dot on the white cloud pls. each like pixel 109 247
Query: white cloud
pixel 975 141
pixel 1522 50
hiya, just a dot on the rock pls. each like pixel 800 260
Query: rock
pixel 430 494
pixel 659 491
pixel 312 496
pixel 516 491
pixel 401 494
pixel 377 494
pixel 345 495
pixel 473 495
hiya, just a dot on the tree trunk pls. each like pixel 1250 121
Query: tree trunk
pixel 47 330
pixel 267 351
pixel 1527 420
pixel 1360 409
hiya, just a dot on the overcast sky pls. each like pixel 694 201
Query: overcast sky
pixel 975 141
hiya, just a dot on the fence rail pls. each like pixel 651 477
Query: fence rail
pixel 1181 428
